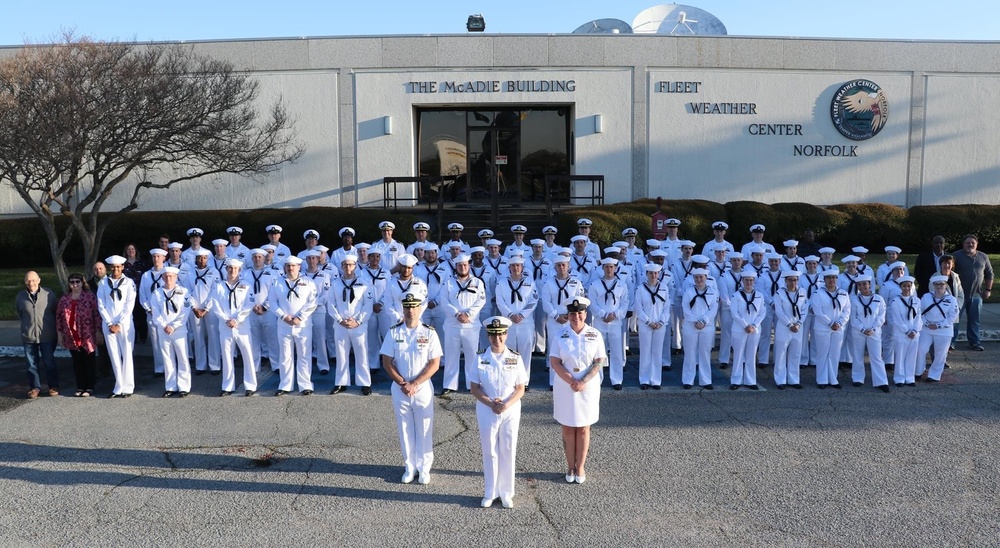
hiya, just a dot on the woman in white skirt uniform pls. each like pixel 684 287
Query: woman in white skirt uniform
pixel 577 357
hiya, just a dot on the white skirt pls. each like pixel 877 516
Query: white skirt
pixel 576 408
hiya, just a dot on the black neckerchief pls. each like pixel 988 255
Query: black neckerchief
pixel 116 292
pixel 748 301
pixel 291 289
pixel 610 292
pixel 654 293
pixel 867 306
pixel 256 280
pixel 833 297
pixel 515 292
pixel 170 302
pixel 348 292
pixel 794 302
pixel 698 295
pixel 911 311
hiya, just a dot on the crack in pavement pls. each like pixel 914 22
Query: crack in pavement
pixel 445 404
pixel 533 486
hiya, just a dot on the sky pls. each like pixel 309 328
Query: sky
pixel 188 20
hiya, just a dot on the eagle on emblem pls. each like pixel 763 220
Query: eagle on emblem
pixel 876 103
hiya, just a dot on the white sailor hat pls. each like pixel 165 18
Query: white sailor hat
pixel 757 228
pixel 897 264
pixel 939 279
pixel 311 253
pixel 171 270
pixel 407 260
pixel 612 249
pixel 736 256
pixel 515 259
pixel 493 241
pixel 195 232
pixel 832 271
pixel 175 245
pixel 234 231
pixel 584 222
pixel 790 274
pixel 829 250
pixel 700 259
pixel 411 301
pixel 496 325
pixel 202 253
pixel 485 234
pixel 220 241
pixel 904 279
pixel 310 234
pixel 620 244
pixel 431 246
pixel 630 232
pixel 579 238
pixel 748 273
pixel 453 245
pixel 771 256
pixel 456 227
pixel 349 259
pixel 234 262
pixel 115 259
pixel 791 243
pixel 850 259
pixel 321 248
pixel 721 250
pixel 158 251
pixel 609 260
pixel 699 272
pixel 269 247
pixel 373 250
pixel 477 249
pixel 273 229
pixel 652 242
pixel 421 226
pixel 720 225
pixel 652 267
pixel 517 253
pixel 893 249
pixel 518 229
pixel 387 225
pixel 560 259
pixel 863 278
pixel 579 304
pixel 567 251
pixel 658 253
pixel 362 246
pixel 258 251
pixel 420 245
pixel 687 243
pixel 860 249
pixel 537 241
pixel 293 260
pixel 463 258
pixel 811 259
pixel 672 222
pixel 346 230
pixel 754 249
pixel 550 230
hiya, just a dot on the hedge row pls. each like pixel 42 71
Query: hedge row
pixel 841 226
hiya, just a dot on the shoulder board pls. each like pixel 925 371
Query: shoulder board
pixel 428 326
pixel 398 324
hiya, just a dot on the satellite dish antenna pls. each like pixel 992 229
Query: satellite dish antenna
pixel 677 20
pixel 604 26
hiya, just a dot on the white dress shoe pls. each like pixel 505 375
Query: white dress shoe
pixel 507 502
pixel 581 479
pixel 570 478
pixel 408 476
pixel 424 479
pixel 486 502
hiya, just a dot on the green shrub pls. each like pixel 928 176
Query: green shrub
pixel 953 222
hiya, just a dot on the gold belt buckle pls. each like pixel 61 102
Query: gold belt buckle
pixel 577 369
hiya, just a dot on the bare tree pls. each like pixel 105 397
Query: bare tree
pixel 82 120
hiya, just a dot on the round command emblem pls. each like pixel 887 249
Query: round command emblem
pixel 859 110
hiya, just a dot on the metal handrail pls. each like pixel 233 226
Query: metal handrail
pixel 596 196
pixel 424 185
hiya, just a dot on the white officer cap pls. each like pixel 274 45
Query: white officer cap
pixel 311 253
pixel 518 229
pixel 310 234
pixel 477 249
pixel 652 267
pixel 456 226
pixel 485 234
pixel 411 301
pixel 421 226
pixel 829 250
pixel 537 241
pixel 115 259
pixel 560 259
pixel 748 273
pixel 463 258
pixel 346 230
pixel 362 245
pixel 658 253
pixel 195 232
pixel 850 259
pixel 863 278
pixel 578 238
pixel 202 253
pixel 516 259
pixel 897 264
pixel 497 325
pixel 700 259
pixel 699 272
pixel 273 229
pixel 349 259
pixel 811 259
pixel 673 222
pixel 757 228
pixel 630 232
pixel 609 260
pixel 550 230
pixel 584 222
pixel 175 245
pixel 431 246
pixel 720 225
pixel 939 279
pixel 220 241
pixel 493 241
pixel 893 249
pixel 387 225
pixel 832 271
pixel 234 231
pixel 258 251
pixel 612 249
pixel 790 274
pixel 293 260
pixel 407 260
pixel 860 249
pixel 321 248
pixel 904 279
pixel 236 263
pixel 268 247
pixel 171 270
pixel 791 243
pixel 579 304
pixel 158 251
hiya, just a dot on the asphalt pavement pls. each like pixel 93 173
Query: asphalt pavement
pixel 853 467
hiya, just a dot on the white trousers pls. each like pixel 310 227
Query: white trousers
pixel 229 340
pixel 415 421
pixel 459 341
pixel 725 334
pixel 198 330
pixel 888 346
pixel 214 347
pixel 154 343
pixel 521 338
pixel 319 350
pixel 697 352
pixel 651 354
pixel 828 348
pixel 346 340
pixel 906 350
pixel 874 346
pixel 808 354
pixel 940 339
pixel 120 353
pixel 744 353
pixel 498 436
pixel 787 355
pixel 263 337
pixel 173 350
pixel 676 319
pixel 541 320
pixel 295 350
pixel 764 341
pixel 615 345
pixel 374 341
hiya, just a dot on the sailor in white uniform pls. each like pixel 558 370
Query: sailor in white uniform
pixel 263 326
pixel 757 241
pixel 652 310
pixel 517 299
pixel 170 310
pixel 791 307
pixel 281 251
pixel 200 284
pixel 719 229
pixel 233 304
pixel 293 300
pixel 390 249
pixel 939 310
pixel 904 313
pixel 150 281
pixel 349 304
pixel 115 299
pixel 749 309
pixel 700 304
pixel 831 307
pixel 867 317
pixel 463 298
pixel 609 303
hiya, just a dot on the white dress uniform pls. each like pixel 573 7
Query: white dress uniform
pixel 680 271
pixel 281 254
pixel 554 295
pixel 519 297
pixel 729 283
pixel 849 283
pixel 320 351
pixel 710 246
pixel 395 291
pixel 375 278
pixel 652 305
pixel 350 299
pixel 884 274
pixel 747 310
pixel 498 375
pixel 810 283
pixel 540 270
pixel 489 279
pixel 188 255
pixel 699 305
pixel 433 276
pixel 868 313
pixel 889 290
pixel 768 283
pixel 115 300
pixel 829 309
pixel 795 263
pixel 171 308
pixel 218 265
pixel 148 283
pixel 498 267
pixel 745 250
pixel 461 296
pixel 584 268
pixel 904 313
pixel 411 350
pixel 941 313
pixel 263 326
pixel 790 309
pixel 238 251
pixel 235 302
pixel 204 331
pixel 390 252
pixel 337 255
pixel 513 248
pixel 579 352
pixel 610 297
pixel 295 298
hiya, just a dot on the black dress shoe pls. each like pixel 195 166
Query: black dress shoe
pixel 655 387
pixel 708 387
pixel 169 394
pixel 446 391
pixel 338 389
pixel 837 386
pixel 324 371
pixel 216 373
pixel 899 385
pixel 366 391
pixel 797 386
pixel 687 387
pixel 856 384
pixel 281 392
pixel 928 379
pixel 199 371
pixel 615 386
pixel 884 388
pixel 780 387
pixel 249 393
pixel 127 395
pixel 723 365
pixel 821 386
pixel 890 366
pixel 643 387
pixel 911 384
pixel 112 396
pixel 183 394
pixel 946 366
pixel 752 386
pixel 668 368
pixel 976 347
pixel 225 393
pixel 307 392
pixel 734 387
